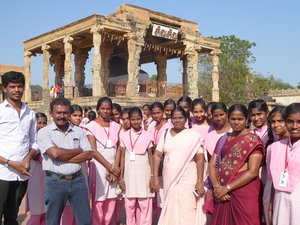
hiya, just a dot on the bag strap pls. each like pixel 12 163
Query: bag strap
pixel 165 134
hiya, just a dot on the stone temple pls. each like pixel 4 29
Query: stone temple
pixel 120 43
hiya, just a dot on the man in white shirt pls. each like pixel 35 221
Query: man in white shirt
pixel 17 146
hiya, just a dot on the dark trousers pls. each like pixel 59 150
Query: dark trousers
pixel 11 195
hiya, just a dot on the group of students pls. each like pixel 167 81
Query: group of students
pixel 187 162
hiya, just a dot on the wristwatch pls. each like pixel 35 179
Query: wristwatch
pixel 6 163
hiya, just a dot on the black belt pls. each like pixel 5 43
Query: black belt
pixel 62 176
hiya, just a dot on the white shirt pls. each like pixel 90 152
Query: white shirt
pixel 17 137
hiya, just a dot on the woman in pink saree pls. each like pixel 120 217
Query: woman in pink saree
pixel 233 170
pixel 182 172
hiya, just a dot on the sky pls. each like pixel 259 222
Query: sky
pixel 274 25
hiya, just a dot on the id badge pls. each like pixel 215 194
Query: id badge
pixel 283 179
pixel 132 156
pixel 108 143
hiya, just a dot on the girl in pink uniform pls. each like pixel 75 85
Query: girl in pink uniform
pixel 186 103
pixel 136 145
pixel 284 163
pixel 169 106
pixel 35 191
pixel 103 136
pixel 199 122
pixel 157 131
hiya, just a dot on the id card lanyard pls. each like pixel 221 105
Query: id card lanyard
pixel 156 131
pixel 284 175
pixel 132 154
pixel 108 141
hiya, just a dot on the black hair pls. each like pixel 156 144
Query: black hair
pixel 125 110
pixel 102 100
pixel 292 109
pixel 75 108
pixel 117 107
pixel 157 105
pixel 210 105
pixel 258 103
pixel 181 110
pixel 86 109
pixel 219 105
pixel 12 77
pixel 92 115
pixel 238 107
pixel 169 102
pixel 59 101
pixel 135 110
pixel 277 109
pixel 199 101
pixel 186 99
pixel 40 115
pixel 146 105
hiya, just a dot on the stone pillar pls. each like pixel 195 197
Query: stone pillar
pixel 134 51
pixel 161 82
pixel 46 59
pixel 192 57
pixel 105 52
pixel 27 56
pixel 215 75
pixel 68 67
pixel 80 58
pixel 98 89
pixel 184 76
pixel 58 68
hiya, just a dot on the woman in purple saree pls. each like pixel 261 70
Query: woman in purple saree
pixel 233 170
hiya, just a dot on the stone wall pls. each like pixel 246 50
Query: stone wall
pixel 285 97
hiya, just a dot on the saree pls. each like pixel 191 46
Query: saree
pixel 180 176
pixel 243 208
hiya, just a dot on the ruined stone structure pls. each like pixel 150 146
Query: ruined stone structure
pixel 133 34
pixel 285 97
pixel 7 68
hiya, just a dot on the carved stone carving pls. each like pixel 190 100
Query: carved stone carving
pixel 161 66
pixel 81 56
pixel 27 56
pixel 46 60
pixel 215 74
pixel 68 66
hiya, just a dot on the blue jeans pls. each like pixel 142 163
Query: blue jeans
pixel 58 191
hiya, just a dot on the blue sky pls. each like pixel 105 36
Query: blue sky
pixel 273 25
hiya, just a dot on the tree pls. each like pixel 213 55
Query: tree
pixel 237 83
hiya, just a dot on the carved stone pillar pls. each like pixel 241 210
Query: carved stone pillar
pixel 27 56
pixel 80 57
pixel 184 76
pixel 46 59
pixel 134 51
pixel 106 52
pixel 98 89
pixel 161 82
pixel 68 67
pixel 59 70
pixel 215 75
pixel 192 57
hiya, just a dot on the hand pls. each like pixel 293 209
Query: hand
pixel 122 185
pixel 116 171
pixel 113 178
pixel 225 198
pixel 20 168
pixel 155 184
pixel 26 163
pixel 220 191
pixel 200 188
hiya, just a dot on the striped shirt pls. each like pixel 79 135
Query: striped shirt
pixel 51 136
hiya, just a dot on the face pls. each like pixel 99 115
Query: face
pixel 116 115
pixel 126 122
pixel 219 118
pixel 209 115
pixel 237 121
pixel 104 110
pixel 199 113
pixel 258 118
pixel 14 91
pixel 61 115
pixel 87 113
pixel 136 121
pixel 157 114
pixel 293 125
pixel 185 106
pixel 76 118
pixel 178 120
pixel 168 110
pixel 278 124
pixel 146 111
pixel 40 123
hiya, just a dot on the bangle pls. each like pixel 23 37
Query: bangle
pixel 228 187
pixel 200 181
